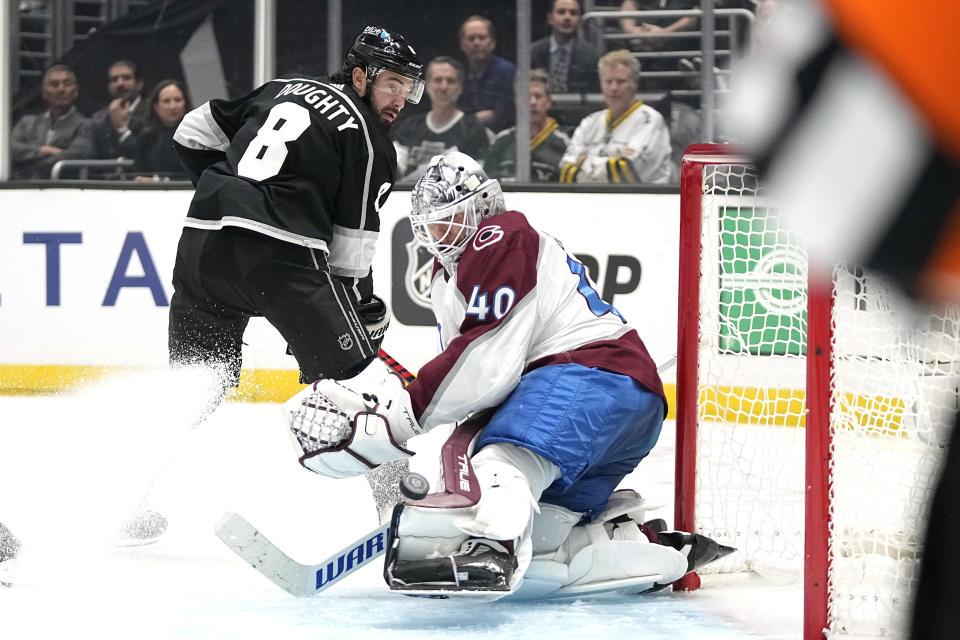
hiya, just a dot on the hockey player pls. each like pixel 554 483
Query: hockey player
pixel 628 142
pixel 443 128
pixel 570 400
pixel 289 182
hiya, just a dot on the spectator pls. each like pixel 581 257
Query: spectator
pixel 155 154
pixel 547 142
pixel 60 133
pixel 626 142
pixel 116 125
pixel 572 61
pixel 488 90
pixel 669 25
pixel 653 37
pixel 443 128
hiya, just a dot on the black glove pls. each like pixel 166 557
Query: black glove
pixel 375 317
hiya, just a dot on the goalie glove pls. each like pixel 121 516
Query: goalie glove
pixel 346 428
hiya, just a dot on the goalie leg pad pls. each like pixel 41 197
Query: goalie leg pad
pixel 615 552
pixel 504 511
pixel 509 477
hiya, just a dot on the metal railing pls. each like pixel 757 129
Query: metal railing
pixel 42 31
pixel 697 73
pixel 115 167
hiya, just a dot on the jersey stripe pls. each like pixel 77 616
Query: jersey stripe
pixel 199 130
pixel 352 246
pixel 259 227
pixel 366 137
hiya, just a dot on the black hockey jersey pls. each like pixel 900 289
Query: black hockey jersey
pixel 303 160
pixel 418 140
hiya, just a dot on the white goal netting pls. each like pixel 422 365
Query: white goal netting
pixel 893 394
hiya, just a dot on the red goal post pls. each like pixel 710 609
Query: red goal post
pixel 810 410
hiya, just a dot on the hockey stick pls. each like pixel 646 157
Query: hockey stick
pixel 396 366
pixel 302 580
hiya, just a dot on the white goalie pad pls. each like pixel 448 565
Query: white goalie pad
pixel 504 512
pixel 509 477
pixel 599 557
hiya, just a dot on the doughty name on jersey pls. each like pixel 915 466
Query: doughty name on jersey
pixel 320 99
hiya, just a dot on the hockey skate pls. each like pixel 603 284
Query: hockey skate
pixel 480 569
pixel 699 549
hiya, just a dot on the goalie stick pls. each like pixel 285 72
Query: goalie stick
pixel 302 580
pixel 298 579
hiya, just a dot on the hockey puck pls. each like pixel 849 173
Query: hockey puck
pixel 414 486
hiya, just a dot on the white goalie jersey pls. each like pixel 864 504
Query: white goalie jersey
pixel 517 301
pixel 634 148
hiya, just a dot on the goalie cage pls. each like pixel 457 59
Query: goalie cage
pixel 845 484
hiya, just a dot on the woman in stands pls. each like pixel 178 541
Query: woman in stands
pixel 156 158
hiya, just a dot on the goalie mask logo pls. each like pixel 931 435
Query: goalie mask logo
pixel 417 278
pixel 346 342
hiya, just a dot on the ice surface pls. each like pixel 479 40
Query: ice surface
pixel 73 467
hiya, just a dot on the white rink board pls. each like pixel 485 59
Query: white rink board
pixel 74 289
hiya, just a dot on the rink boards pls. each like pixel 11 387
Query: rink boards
pixel 85 280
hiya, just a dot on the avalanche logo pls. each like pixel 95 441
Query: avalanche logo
pixel 487 236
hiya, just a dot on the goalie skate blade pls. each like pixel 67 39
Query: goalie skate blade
pixel 452 594
pixel 627 586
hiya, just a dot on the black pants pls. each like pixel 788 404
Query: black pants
pixel 223 278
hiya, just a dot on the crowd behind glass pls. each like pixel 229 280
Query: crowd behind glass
pixel 618 107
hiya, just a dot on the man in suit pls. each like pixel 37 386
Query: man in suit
pixel 488 87
pixel 116 125
pixel 570 60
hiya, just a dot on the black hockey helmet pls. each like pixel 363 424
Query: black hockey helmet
pixel 376 49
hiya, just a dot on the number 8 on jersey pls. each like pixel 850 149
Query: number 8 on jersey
pixel 266 152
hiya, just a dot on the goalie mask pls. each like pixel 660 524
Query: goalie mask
pixel 377 49
pixel 449 202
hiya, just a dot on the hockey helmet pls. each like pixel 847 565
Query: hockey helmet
pixel 375 49
pixel 450 201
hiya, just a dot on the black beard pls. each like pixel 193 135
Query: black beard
pixel 385 125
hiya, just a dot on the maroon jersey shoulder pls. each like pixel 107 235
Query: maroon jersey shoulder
pixel 502 252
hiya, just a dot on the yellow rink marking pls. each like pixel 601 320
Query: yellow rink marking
pixel 735 404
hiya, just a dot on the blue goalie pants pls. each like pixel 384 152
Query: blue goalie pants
pixel 596 426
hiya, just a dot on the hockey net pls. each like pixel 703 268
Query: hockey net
pixel 852 478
